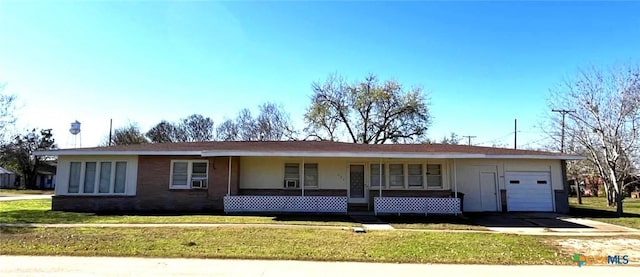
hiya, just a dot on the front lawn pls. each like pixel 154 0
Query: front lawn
pixel 39 211
pixel 596 208
pixel 279 243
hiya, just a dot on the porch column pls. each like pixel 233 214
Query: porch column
pixel 380 177
pixel 455 180
pixel 229 179
pixel 302 179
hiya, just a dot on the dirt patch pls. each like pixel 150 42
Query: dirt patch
pixel 602 247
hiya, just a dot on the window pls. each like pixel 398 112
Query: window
pixel 105 177
pixel 396 175
pixel 98 177
pixel 310 175
pixel 89 177
pixel 375 175
pixel 292 175
pixel 74 177
pixel 434 175
pixel 415 175
pixel 189 174
pixel 121 173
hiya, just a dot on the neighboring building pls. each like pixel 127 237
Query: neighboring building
pixel 46 175
pixel 7 179
pixel 308 176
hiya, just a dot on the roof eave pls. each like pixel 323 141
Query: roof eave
pixel 313 154
pixel 384 155
pixel 72 152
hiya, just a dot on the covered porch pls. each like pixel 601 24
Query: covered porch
pixel 311 184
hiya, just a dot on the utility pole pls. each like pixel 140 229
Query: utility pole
pixel 515 133
pixel 110 130
pixel 469 138
pixel 564 113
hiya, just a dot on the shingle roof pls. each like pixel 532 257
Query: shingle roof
pixel 309 147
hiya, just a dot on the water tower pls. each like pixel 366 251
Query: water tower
pixel 75 131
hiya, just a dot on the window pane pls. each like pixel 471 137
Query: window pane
pixel 396 175
pixel 415 175
pixel 375 175
pixel 89 177
pixel 74 177
pixel 434 181
pixel 310 175
pixel 199 171
pixel 105 177
pixel 121 177
pixel 434 175
pixel 292 171
pixel 433 169
pixel 179 174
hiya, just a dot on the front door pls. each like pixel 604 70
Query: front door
pixel 357 191
pixel 488 193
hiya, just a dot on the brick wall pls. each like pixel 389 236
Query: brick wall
pixel 153 193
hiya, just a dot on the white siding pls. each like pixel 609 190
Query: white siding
pixel 468 182
pixel 64 164
pixel 268 172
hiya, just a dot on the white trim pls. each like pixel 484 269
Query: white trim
pixel 242 153
pixel 374 154
pixel 365 196
pixel 96 179
pixel 76 152
pixel 228 179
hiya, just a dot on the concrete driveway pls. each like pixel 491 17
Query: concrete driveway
pixel 542 222
pixel 108 266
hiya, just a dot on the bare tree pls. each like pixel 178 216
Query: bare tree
pixel 197 128
pixel 192 128
pixel 605 124
pixel 165 131
pixel 367 112
pixel 453 138
pixel 271 124
pixel 7 107
pixel 128 134
pixel 228 131
pixel 247 129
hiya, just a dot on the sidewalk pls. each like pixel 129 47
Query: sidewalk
pixel 25 197
pixel 507 230
pixel 126 266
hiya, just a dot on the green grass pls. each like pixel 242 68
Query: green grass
pixel 279 243
pixel 432 222
pixel 14 192
pixel 39 211
pixel 596 208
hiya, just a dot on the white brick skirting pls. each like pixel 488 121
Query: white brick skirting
pixel 416 205
pixel 264 203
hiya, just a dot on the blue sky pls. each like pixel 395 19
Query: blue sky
pixel 483 64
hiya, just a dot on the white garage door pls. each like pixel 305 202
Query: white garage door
pixel 529 192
